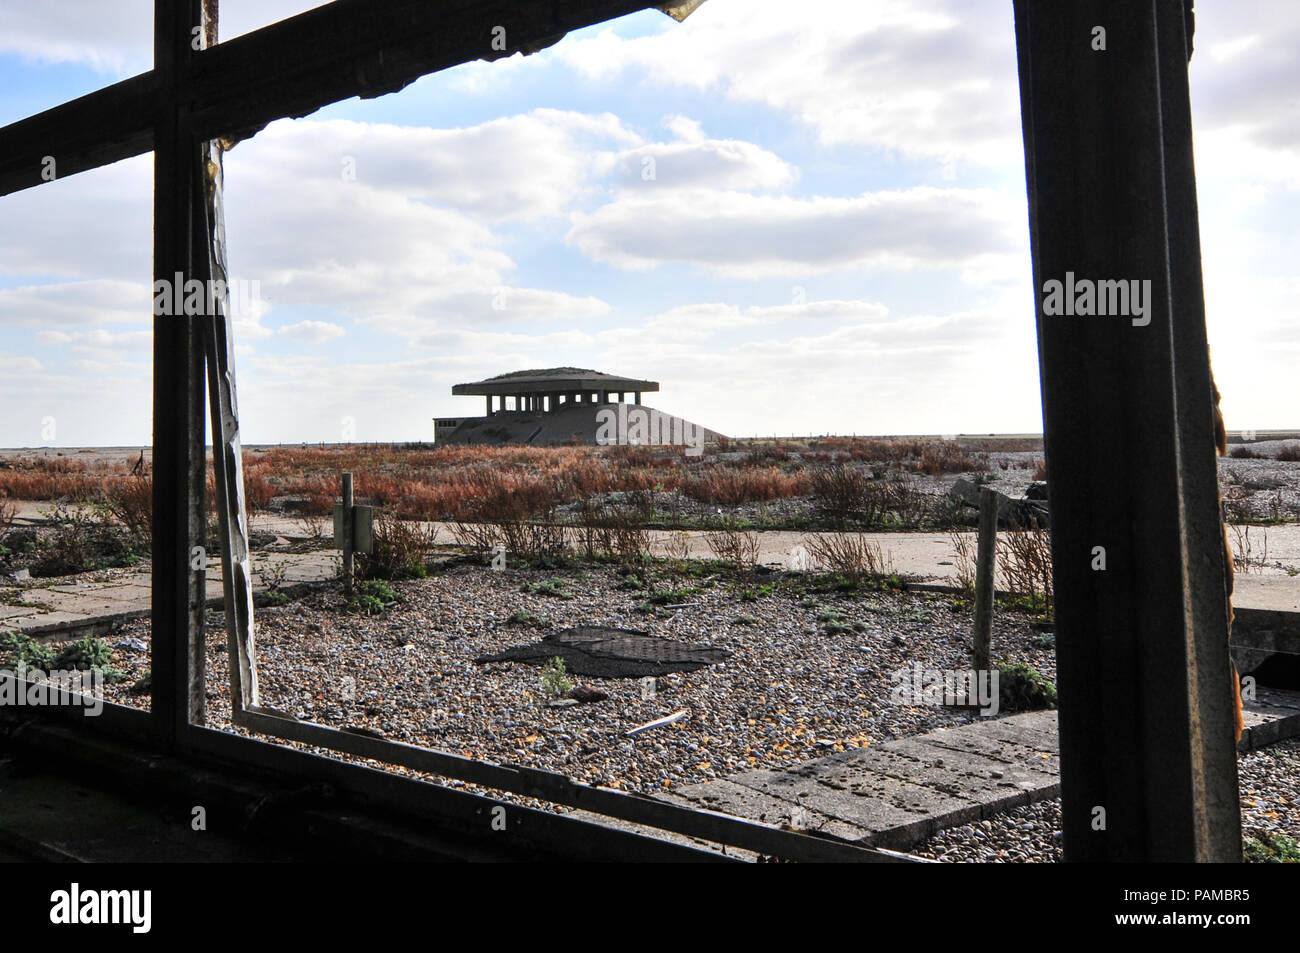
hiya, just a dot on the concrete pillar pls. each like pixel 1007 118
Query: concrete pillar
pixel 638 397
pixel 489 405
pixel 620 397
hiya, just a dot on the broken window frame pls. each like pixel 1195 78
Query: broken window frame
pixel 1173 754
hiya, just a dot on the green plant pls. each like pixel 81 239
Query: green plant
pixel 665 597
pixel 1045 641
pixel 144 683
pixel 83 540
pixel 270 598
pixel 1271 849
pixel 525 617
pixel 550 587
pixel 553 682
pixel 1022 688
pixel 89 654
pixel 837 623
pixel 372 597
pixel 744 619
pixel 22 651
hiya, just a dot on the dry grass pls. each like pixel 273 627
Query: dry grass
pixel 849 554
pixel 1025 561
pixel 735 546
pixel 1245 558
pixel 472 484
pixel 965 546
pixel 131 504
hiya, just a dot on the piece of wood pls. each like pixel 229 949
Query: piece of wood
pixel 659 722
pixel 227 454
pixel 985 561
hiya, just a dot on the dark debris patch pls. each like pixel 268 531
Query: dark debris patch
pixel 602 652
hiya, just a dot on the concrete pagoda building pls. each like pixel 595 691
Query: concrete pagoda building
pixel 565 405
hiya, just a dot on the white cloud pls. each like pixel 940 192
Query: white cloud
pixel 97 301
pixel 312 332
pixel 738 234
pixel 928 78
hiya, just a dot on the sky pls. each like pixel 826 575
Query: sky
pixel 799 220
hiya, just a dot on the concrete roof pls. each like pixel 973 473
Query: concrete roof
pixel 553 380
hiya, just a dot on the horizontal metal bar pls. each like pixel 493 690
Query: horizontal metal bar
pixel 328 795
pixel 558 789
pixel 103 127
pixel 289 69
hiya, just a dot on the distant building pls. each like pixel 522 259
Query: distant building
pixel 561 405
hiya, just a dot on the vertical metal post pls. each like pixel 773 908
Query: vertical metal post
pixel 348 518
pixel 984 577
pixel 178 457
pixel 1148 760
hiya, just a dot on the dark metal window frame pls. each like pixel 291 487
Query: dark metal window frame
pixel 1110 191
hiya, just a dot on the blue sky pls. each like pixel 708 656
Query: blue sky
pixel 808 227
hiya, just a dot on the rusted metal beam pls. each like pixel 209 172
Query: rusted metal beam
pixel 292 68
pixel 1148 764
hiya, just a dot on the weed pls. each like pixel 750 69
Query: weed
pixel 1271 849
pixel 1022 688
pixel 555 588
pixel 82 541
pixel 22 651
pixel 851 555
pixel 964 547
pixel 525 617
pixel 735 546
pixel 399 549
pixel 553 682
pixel 372 597
pixel 1025 560
pixel 91 654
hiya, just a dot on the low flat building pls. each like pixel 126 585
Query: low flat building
pixel 568 405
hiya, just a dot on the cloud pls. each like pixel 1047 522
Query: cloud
pixel 704 164
pixel 519 168
pixel 925 78
pixel 116 38
pixel 312 332
pixel 744 235
pixel 97 301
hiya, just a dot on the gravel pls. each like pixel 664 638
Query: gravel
pixel 1270 803
pixel 790 691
